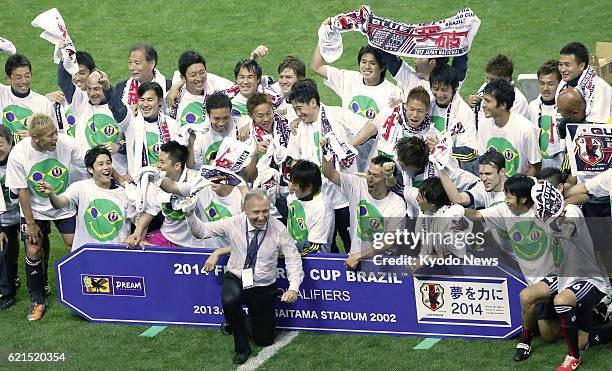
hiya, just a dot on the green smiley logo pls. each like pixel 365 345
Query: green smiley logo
pixel 170 213
pixel 296 222
pixel 101 129
pixel 192 114
pixel 215 212
pixel 369 221
pixel 50 171
pixel 103 219
pixel 503 146
pixel 529 241
pixel 16 117
pixel 364 106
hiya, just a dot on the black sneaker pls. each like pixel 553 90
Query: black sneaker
pixel 240 358
pixel 523 351
pixel 6 302
pixel 226 329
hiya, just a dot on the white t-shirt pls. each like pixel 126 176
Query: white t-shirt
pixel 305 145
pixel 207 143
pixel 437 226
pixel 530 242
pixel 457 111
pixel 190 108
pixel 368 215
pixel 543 117
pixel 310 221
pixel 358 97
pixel 27 166
pixel 462 179
pixel 16 111
pixel 516 141
pixel 600 185
pixel 11 201
pixel 101 216
pixel 213 207
pixel 480 198
pixel 174 229
pixel 407 79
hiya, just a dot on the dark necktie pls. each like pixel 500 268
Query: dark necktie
pixel 251 256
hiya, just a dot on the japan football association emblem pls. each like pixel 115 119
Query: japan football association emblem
pixel 432 296
pixel 589 150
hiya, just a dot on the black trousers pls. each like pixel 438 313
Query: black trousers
pixel 341 228
pixel 8 261
pixel 261 303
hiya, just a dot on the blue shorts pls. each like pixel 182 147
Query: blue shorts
pixel 64 226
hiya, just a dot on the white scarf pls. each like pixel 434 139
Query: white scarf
pixel 135 153
pixel 233 154
pixel 7 47
pixel 55 31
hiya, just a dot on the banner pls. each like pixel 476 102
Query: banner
pixel 168 286
pixel 449 37
pixel 589 147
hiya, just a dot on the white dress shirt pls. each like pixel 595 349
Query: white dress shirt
pixel 277 239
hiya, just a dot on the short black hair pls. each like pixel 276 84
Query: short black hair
pixel 445 75
pixel 176 152
pixel 150 85
pixel 519 185
pixel 502 91
pixel 580 52
pixel 413 152
pixel 218 100
pixel 86 60
pixel 149 50
pixel 303 91
pixel 15 61
pixel 552 175
pixel 92 155
pixel 7 134
pixel 380 160
pixel 433 191
pixel 305 173
pixel 250 65
pixel 376 54
pixel 187 59
pixel 493 158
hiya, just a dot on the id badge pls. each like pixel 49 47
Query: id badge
pixel 247 278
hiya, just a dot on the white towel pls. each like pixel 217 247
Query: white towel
pixel 7 47
pixel 233 154
pixel 330 43
pixel 55 31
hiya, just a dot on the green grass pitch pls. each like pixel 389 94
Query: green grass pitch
pixel 225 31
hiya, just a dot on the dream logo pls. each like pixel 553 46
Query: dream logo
pixel 432 296
pixel 113 285
pixel 128 286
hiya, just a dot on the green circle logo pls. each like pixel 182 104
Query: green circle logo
pixel 545 133
pixel 364 106
pixel 211 152
pixel 70 121
pixel 369 221
pixel 216 212
pixel 16 117
pixel 170 213
pixel 239 109
pixel 296 222
pixel 503 146
pixel 103 219
pixel 153 146
pixel 438 123
pixel 529 241
pixel 192 114
pixel 101 129
pixel 50 171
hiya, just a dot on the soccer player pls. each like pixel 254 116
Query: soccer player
pixel 449 112
pixel 142 63
pixel 317 121
pixel 145 131
pixel 405 120
pixel 543 114
pixel 508 133
pixel 17 101
pixel 196 84
pixel 310 220
pixel 248 75
pixel 100 202
pixel 576 72
pixel 499 67
pixel 252 269
pixel 45 156
pixel 9 228
pixel 374 209
pixel 530 242
pixel 222 125
pixel 93 120
pixel 174 231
